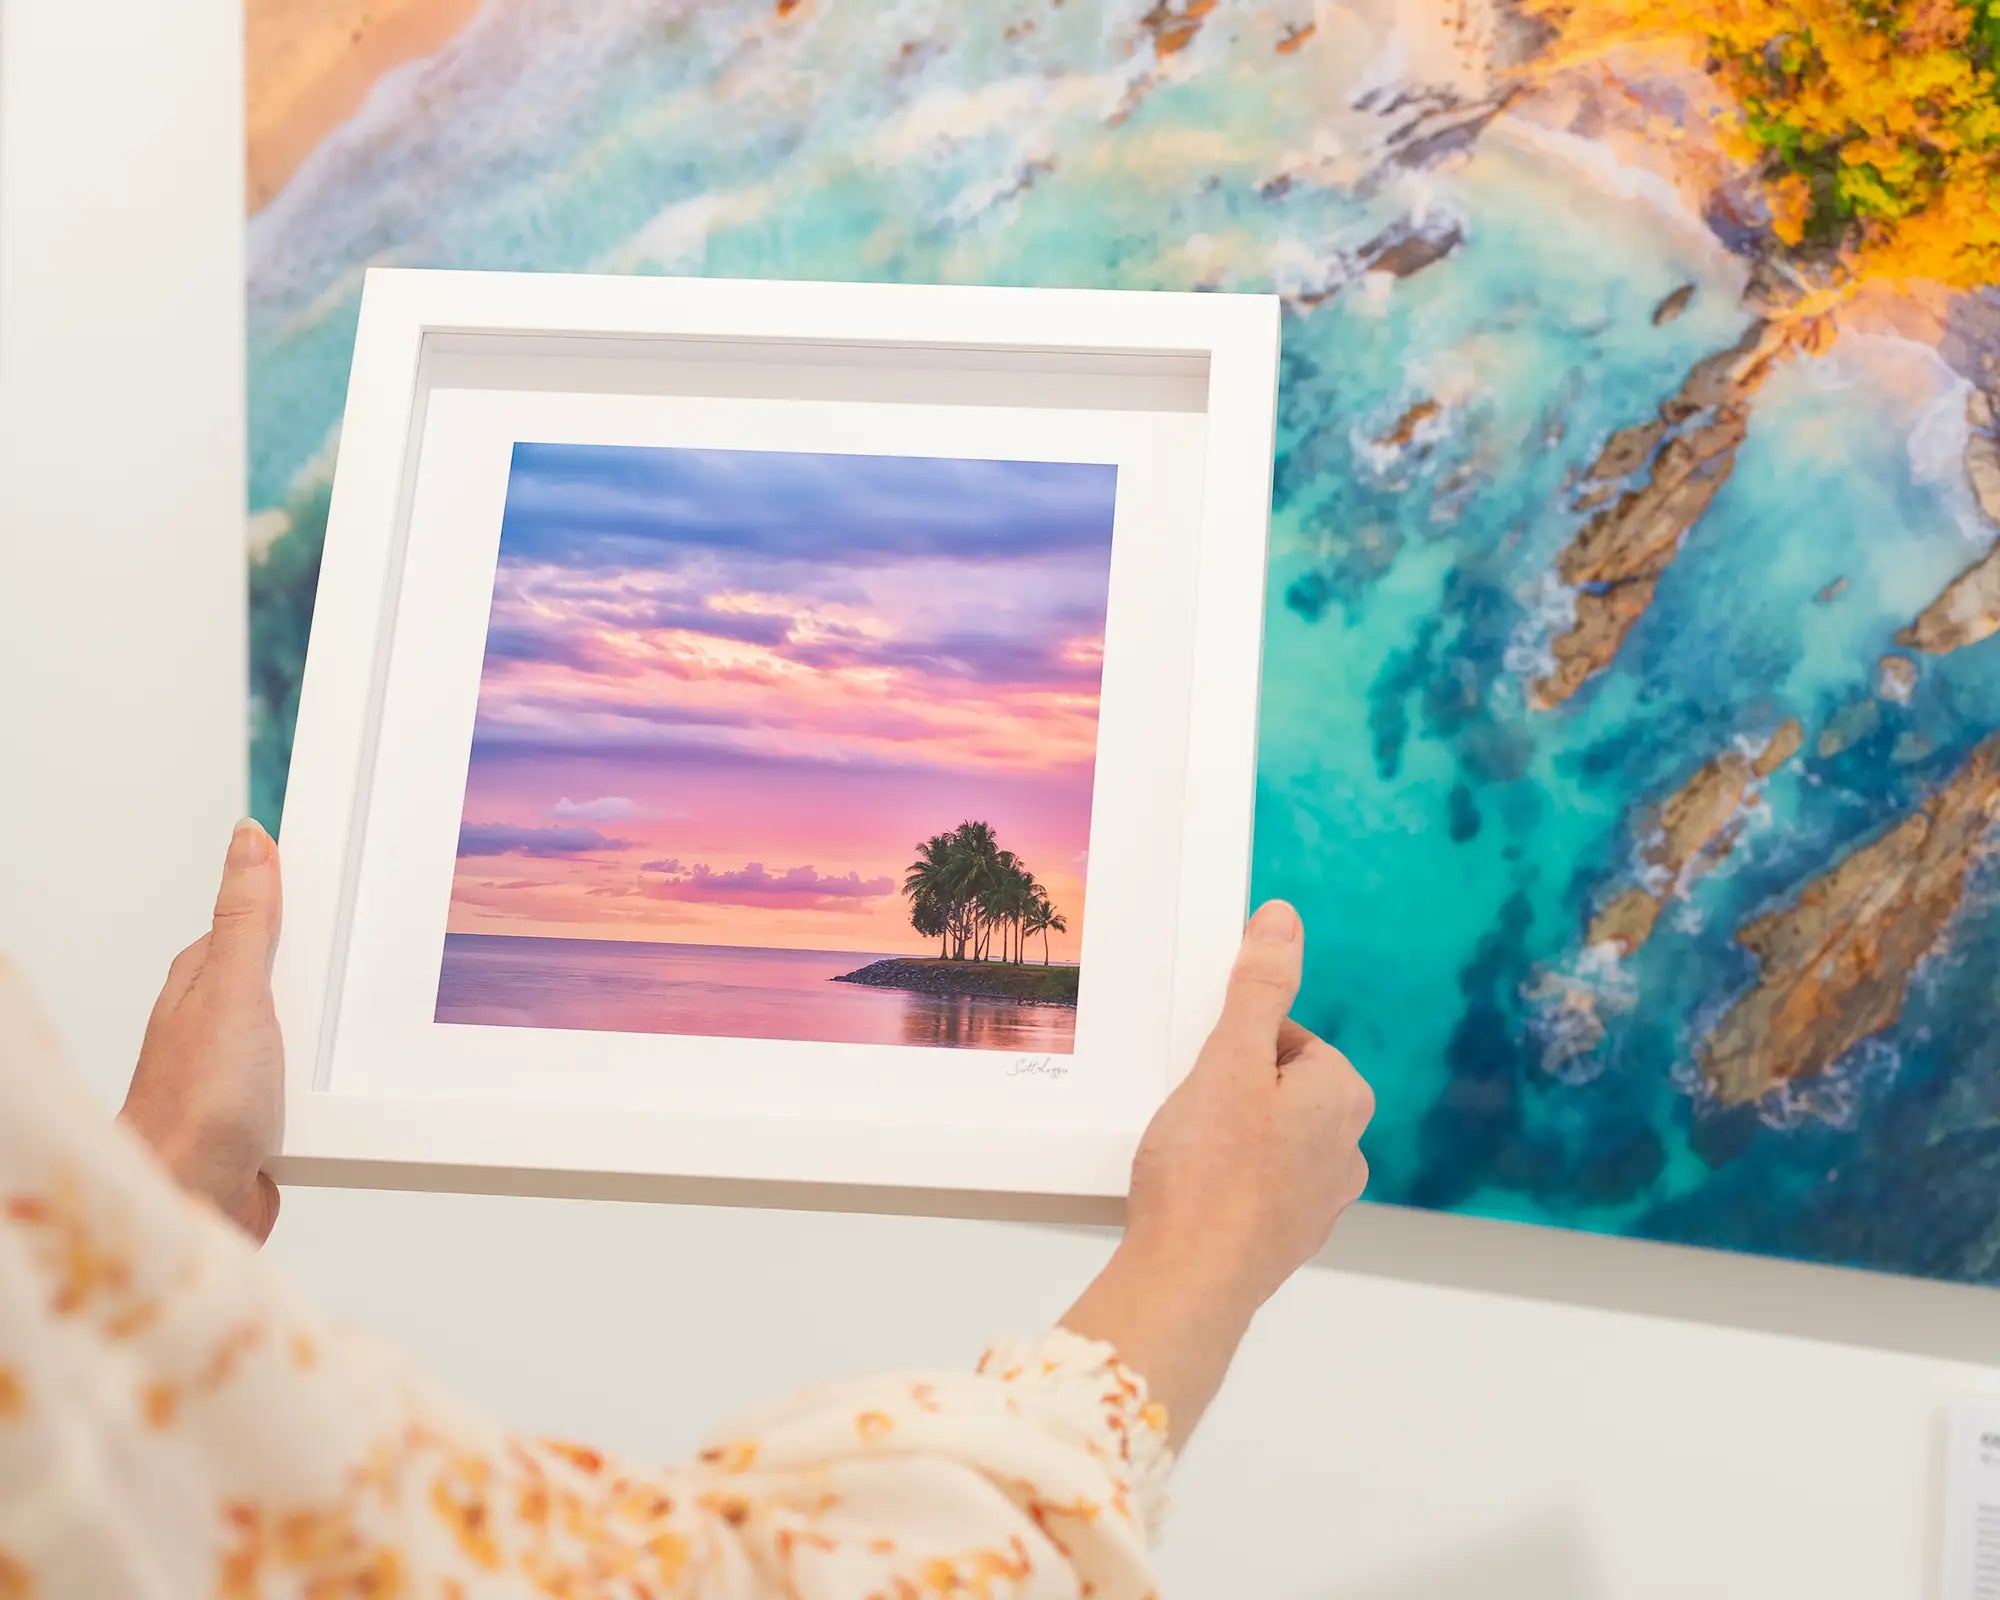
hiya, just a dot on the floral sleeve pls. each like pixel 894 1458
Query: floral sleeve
pixel 172 1423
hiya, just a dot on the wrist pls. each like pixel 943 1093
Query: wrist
pixel 168 1135
pixel 1145 1300
pixel 1188 1277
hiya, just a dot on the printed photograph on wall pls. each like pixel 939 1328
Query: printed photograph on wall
pixel 1631 723
pixel 779 745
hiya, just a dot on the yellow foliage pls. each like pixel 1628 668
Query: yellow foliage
pixel 1791 203
pixel 1872 126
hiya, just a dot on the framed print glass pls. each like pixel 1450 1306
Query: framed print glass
pixel 760 735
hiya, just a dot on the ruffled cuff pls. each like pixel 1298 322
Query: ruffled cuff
pixel 1082 1384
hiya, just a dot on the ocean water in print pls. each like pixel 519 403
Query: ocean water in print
pixel 1545 280
pixel 721 991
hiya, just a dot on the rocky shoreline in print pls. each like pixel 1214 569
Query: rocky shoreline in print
pixel 1692 832
pixel 1836 964
pixel 1678 462
pixel 1023 983
pixel 1969 609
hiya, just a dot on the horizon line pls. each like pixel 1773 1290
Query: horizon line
pixel 789 949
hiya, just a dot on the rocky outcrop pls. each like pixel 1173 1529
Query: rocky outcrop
pixel 1982 470
pixel 1616 559
pixel 1689 833
pixel 1173 28
pixel 1969 609
pixel 1674 304
pixel 1414 417
pixel 1625 452
pixel 1569 1023
pixel 1835 965
pixel 1781 747
pixel 1022 982
pixel 1896 679
pixel 1429 125
pixel 1408 248
pixel 1397 251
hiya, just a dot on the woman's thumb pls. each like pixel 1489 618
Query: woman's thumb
pixel 247 906
pixel 1265 980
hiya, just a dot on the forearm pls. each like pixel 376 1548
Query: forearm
pixel 1175 1318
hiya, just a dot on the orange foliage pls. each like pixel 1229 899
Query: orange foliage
pixel 1871 126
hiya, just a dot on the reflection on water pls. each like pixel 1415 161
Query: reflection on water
pixel 981 1024
pixel 609 986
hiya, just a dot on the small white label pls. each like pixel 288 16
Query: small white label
pixel 1972 1503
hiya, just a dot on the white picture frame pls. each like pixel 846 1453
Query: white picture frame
pixel 1180 389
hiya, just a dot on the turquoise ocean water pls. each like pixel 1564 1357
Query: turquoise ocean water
pixel 1445 843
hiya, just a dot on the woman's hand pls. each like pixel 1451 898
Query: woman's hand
pixel 1238 1182
pixel 209 1092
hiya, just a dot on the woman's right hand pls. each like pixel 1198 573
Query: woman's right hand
pixel 1238 1181
pixel 1247 1166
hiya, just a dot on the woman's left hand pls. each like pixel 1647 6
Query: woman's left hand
pixel 208 1094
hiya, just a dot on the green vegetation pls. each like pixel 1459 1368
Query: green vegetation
pixel 965 891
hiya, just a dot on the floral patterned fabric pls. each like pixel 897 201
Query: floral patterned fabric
pixel 173 1423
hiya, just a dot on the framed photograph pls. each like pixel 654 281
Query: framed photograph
pixel 773 741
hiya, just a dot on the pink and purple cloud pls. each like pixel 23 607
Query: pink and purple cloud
pixel 702 658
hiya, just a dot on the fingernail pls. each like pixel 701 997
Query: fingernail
pixel 249 844
pixel 1275 923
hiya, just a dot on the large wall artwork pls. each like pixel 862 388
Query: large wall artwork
pixel 1631 733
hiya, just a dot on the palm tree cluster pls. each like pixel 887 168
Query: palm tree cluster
pixel 965 890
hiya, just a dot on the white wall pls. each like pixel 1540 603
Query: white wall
pixel 1398 1428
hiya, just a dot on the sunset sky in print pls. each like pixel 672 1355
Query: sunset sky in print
pixel 726 693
